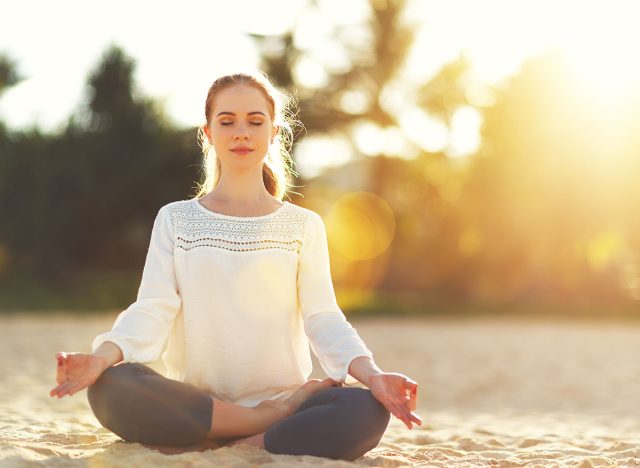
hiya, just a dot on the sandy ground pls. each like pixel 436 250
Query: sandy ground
pixel 493 393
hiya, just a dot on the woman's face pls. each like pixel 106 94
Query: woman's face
pixel 240 118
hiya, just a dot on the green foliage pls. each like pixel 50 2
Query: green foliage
pixel 86 197
pixel 540 221
pixel 9 75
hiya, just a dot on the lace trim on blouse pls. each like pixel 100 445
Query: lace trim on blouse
pixel 194 227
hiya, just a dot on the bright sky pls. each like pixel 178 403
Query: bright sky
pixel 179 48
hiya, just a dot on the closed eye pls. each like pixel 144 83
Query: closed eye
pixel 231 123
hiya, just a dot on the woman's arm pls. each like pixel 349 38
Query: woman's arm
pixel 332 338
pixel 141 330
pixel 339 348
pixel 110 353
pixel 363 368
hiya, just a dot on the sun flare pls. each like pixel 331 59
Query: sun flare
pixel 603 48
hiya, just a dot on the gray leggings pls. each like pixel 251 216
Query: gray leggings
pixel 141 405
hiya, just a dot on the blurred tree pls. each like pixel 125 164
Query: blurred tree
pixel 325 109
pixel 356 92
pixel 121 145
pixel 9 75
pixel 84 199
pixel 10 168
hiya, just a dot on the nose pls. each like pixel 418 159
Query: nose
pixel 241 132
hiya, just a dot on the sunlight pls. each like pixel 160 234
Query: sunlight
pixel 606 59
pixel 465 132
pixel 602 249
pixel 314 154
pixel 361 225
pixel 428 132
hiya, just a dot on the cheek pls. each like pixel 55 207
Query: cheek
pixel 264 134
pixel 220 134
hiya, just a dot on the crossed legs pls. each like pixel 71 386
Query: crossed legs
pixel 140 405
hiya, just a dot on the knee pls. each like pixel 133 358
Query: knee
pixel 371 417
pixel 368 407
pixel 112 379
pixel 110 390
pixel 342 423
pixel 362 406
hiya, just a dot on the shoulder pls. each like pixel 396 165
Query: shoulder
pixel 309 216
pixel 312 223
pixel 169 212
pixel 302 210
pixel 176 205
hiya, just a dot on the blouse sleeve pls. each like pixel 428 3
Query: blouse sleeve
pixel 333 340
pixel 142 329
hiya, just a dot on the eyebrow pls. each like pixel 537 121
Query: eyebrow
pixel 231 113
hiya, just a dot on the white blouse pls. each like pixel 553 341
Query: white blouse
pixel 237 300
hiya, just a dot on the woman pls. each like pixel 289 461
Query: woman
pixel 239 284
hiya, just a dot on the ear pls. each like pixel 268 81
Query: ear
pixel 207 133
pixel 276 128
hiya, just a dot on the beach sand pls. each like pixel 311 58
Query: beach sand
pixel 493 392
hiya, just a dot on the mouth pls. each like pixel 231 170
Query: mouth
pixel 242 150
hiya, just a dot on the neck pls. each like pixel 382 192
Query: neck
pixel 241 188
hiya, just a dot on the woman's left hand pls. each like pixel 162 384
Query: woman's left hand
pixel 398 393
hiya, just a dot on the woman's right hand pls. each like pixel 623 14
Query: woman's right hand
pixel 76 371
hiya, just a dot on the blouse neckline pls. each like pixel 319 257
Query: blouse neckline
pixel 201 207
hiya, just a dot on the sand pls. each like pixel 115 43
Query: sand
pixel 493 393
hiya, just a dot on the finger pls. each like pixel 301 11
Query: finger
pixel 75 388
pixel 408 406
pixel 413 399
pixel 68 386
pixel 62 367
pixel 415 418
pixel 64 388
pixel 58 390
pixel 54 392
pixel 392 408
pixel 401 414
pixel 411 383
pixel 412 393
pixel 395 411
pixel 59 381
pixel 408 412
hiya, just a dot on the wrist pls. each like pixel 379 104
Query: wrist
pixel 103 360
pixel 109 354
pixel 363 369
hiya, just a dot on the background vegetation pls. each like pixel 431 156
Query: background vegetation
pixel 544 217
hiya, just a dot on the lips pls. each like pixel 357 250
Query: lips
pixel 242 150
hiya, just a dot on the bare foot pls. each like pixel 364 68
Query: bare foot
pixel 305 391
pixel 286 408
pixel 273 411
pixel 254 440
pixel 290 405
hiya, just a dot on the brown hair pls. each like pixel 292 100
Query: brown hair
pixel 277 168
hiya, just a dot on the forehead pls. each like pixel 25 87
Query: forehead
pixel 239 99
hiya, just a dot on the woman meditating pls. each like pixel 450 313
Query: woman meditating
pixel 237 284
